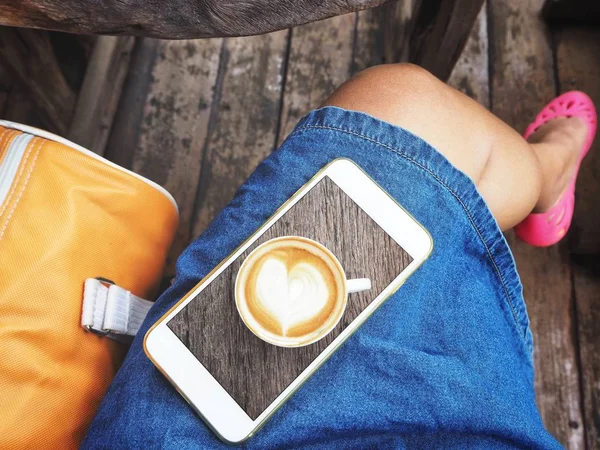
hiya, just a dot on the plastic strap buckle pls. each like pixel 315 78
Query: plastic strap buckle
pixel 111 311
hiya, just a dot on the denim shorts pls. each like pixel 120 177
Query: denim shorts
pixel 446 362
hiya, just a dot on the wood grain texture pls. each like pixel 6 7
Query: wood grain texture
pixel 586 278
pixel 29 58
pixel 243 126
pixel 522 83
pixel 320 60
pixel 164 114
pixel 123 138
pixel 173 130
pixel 173 19
pixel 439 33
pixel 252 371
pixel 367 48
pixel 100 92
pixel 578 61
pixel 398 23
pixel 471 72
pixel 381 35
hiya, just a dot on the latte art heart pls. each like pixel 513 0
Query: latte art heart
pixel 291 291
pixel 290 296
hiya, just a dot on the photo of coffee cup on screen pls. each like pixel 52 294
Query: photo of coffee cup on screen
pixel 292 291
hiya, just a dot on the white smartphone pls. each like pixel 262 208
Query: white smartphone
pixel 234 380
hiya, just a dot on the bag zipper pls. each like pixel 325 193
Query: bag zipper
pixel 10 163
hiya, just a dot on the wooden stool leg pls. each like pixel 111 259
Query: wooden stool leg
pixel 439 33
pixel 100 92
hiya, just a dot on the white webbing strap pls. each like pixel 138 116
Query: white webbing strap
pixel 111 310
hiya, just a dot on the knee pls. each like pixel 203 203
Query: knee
pixel 399 76
pixel 383 91
pixel 403 79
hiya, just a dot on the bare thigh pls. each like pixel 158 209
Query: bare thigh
pixel 492 154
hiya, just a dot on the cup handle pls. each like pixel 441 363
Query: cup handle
pixel 358 285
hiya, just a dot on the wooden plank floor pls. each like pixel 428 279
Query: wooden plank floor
pixel 198 116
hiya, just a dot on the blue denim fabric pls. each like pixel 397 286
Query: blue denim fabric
pixel 446 362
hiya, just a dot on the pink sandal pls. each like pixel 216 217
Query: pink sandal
pixel 543 230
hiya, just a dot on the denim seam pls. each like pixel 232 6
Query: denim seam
pixel 441 182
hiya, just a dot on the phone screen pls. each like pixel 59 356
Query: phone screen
pixel 252 371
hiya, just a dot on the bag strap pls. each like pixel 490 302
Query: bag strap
pixel 112 311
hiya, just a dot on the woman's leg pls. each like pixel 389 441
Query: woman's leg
pixel 514 176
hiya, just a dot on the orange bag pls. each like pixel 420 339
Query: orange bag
pixel 66 215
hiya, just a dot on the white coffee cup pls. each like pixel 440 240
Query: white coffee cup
pixel 292 291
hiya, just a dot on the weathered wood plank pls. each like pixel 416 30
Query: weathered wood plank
pixel 398 22
pixel 367 48
pixel 471 72
pixel 439 33
pixel 586 278
pixel 160 131
pixel 320 60
pixel 522 82
pixel 578 62
pixel 123 138
pixel 30 60
pixel 244 123
pixel 174 129
pixel 381 35
pixel 173 19
pixel 546 277
pixel 578 59
pixel 99 95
